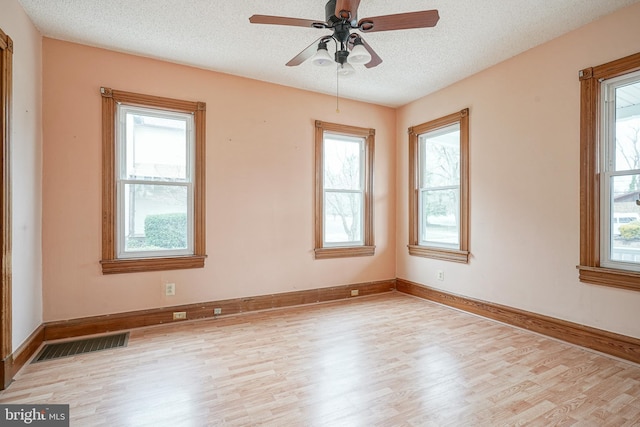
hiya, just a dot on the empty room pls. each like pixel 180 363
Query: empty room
pixel 320 213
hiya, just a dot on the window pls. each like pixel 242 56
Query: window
pixel 344 191
pixel 153 189
pixel 610 174
pixel 439 188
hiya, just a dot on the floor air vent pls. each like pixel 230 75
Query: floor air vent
pixel 72 348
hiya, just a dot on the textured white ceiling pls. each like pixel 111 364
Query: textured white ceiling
pixel 215 34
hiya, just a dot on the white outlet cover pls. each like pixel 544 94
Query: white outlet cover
pixel 170 289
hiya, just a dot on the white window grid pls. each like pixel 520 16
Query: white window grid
pixel 608 170
pixel 122 180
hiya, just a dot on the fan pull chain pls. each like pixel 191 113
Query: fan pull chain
pixel 337 91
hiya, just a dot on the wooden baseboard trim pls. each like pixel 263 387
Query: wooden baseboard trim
pixel 22 355
pixel 617 345
pixel 48 331
pixel 611 343
pixel 16 360
pixel 136 319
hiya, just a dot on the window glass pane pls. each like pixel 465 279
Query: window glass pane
pixel 342 217
pixel 342 162
pixel 156 147
pixel 439 225
pixel 155 217
pixel 627 126
pixel 625 219
pixel 440 157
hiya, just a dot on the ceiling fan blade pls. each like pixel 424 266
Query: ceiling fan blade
pixel 375 59
pixel 401 21
pixel 281 20
pixel 349 6
pixel 307 53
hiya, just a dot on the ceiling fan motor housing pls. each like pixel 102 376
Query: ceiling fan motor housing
pixel 330 13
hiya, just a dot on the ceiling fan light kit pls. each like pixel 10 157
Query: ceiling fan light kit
pixel 346 70
pixel 359 54
pixel 322 57
pixel 342 17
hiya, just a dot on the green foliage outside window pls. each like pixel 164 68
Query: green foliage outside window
pixel 167 231
pixel 630 231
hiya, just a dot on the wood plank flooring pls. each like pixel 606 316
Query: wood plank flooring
pixel 383 360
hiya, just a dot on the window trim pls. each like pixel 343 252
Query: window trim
pixel 456 255
pixel 590 270
pixel 110 263
pixel 368 248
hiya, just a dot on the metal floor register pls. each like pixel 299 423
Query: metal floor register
pixel 90 345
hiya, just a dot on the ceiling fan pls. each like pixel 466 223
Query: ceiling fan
pixel 351 48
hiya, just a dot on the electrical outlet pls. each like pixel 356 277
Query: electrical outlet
pixel 355 292
pixel 169 289
pixel 440 275
pixel 217 311
pixel 179 315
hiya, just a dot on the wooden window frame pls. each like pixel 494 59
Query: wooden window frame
pixel 368 248
pixel 456 255
pixel 590 270
pixel 110 263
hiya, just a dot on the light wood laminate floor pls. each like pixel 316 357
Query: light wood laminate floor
pixel 384 360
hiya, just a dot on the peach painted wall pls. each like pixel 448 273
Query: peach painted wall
pixel 259 185
pixel 524 148
pixel 26 170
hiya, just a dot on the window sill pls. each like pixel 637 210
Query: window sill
pixel 609 277
pixel 438 253
pixel 137 265
pixel 344 252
